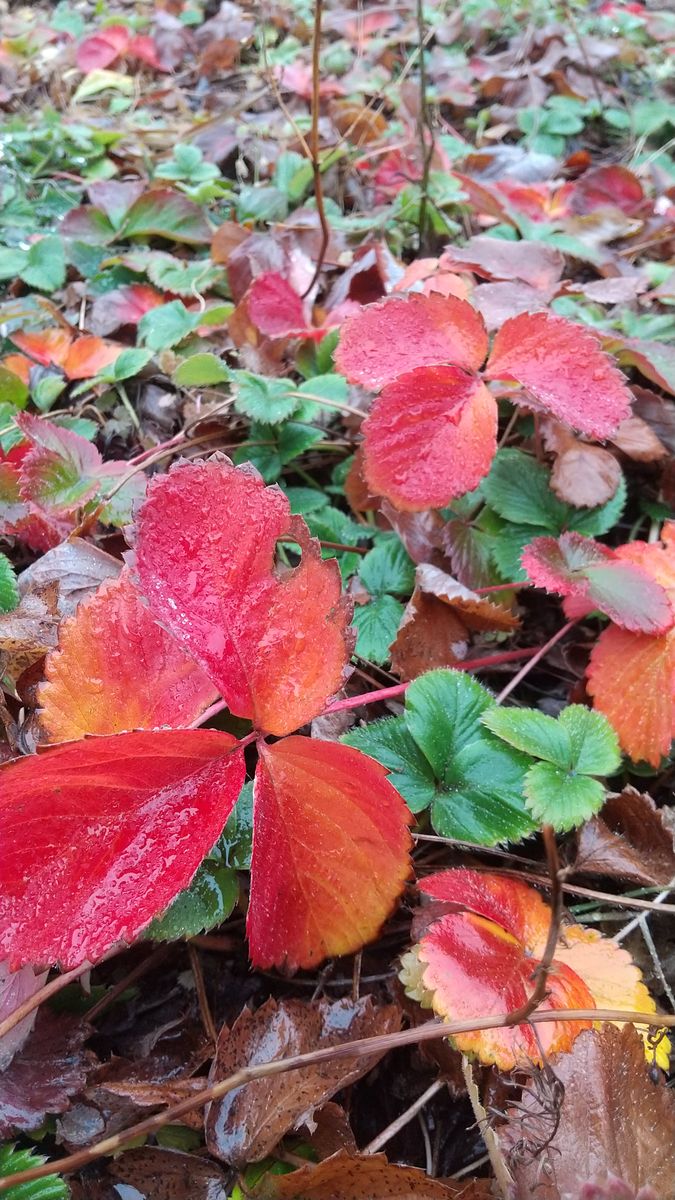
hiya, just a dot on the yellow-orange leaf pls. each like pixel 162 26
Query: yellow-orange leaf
pixel 115 669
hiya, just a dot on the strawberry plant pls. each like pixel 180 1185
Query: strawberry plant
pixel 337 601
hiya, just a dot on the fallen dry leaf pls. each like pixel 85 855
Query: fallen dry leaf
pixel 630 839
pixel 585 475
pixel 159 1174
pixel 50 1068
pixel 613 1121
pixel 247 1124
pixel 343 1177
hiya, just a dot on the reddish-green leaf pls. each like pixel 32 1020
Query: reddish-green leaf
pixel 115 669
pixel 167 214
pixel 563 369
pixel 101 49
pixel 394 336
pixel 98 837
pixel 431 436
pixel 59 472
pixel 123 306
pixel 330 852
pixel 274 640
pixel 593 576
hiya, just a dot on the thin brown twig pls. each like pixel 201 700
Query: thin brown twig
pixel 404 1118
pixel 130 978
pixel 314 145
pixel 45 993
pixel 377 1045
pixel 525 670
pixel 204 1006
pixel 425 132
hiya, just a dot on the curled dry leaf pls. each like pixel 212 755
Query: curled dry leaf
pixel 613 1121
pixel 50 1068
pixel 630 839
pixel 29 630
pixel 116 669
pixel 248 1123
pixel 438 621
pixel 15 987
pixel 636 438
pixel 585 476
pixel 349 1177
pixel 76 566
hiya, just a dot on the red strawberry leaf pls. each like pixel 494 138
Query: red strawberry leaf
pixel 59 472
pixel 631 678
pixel 101 49
pixel 98 837
pixel 123 306
pixel 329 889
pixel 563 369
pixel 394 336
pixel 115 669
pixel 277 310
pixel 275 643
pixel 49 347
pixel 167 214
pixel 431 435
pixel 593 576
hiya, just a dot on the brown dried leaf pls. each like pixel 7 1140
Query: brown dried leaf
pixel 613 1121
pixel 47 1071
pixel 247 1124
pixel 420 532
pixel 430 635
pixel 156 1095
pixel 329 1131
pixel 585 475
pixel 169 1175
pixel 30 630
pixel 362 1178
pixel 15 987
pixel 638 440
pixel 76 566
pixel 496 259
pixel 631 839
pixel 479 615
pixel 657 412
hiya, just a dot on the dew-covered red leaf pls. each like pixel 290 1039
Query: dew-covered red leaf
pixel 431 435
pixel 123 306
pixel 98 837
pixel 614 1121
pixel 50 1068
pixel 274 641
pixel 631 678
pixel 246 1125
pixel 329 891
pixel 59 472
pixel 394 336
pixel 348 1177
pixel 115 669
pixel 593 576
pixel 630 839
pixel 276 309
pixel 480 956
pixel 563 368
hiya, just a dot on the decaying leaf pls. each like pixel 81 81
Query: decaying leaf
pixel 614 1121
pixel 246 1125
pixel 347 1177
pixel 46 1072
pixel 630 839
